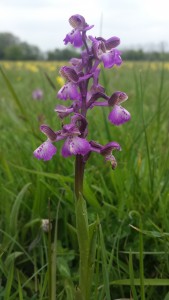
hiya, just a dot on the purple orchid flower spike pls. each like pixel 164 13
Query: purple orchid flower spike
pixel 83 87
pixel 119 115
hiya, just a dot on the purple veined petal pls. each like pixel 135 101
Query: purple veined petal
pixel 108 60
pixel 95 147
pixel 117 98
pixel 98 48
pixel 87 76
pixel 112 42
pixel 69 91
pixel 48 132
pixel 77 21
pixel 88 27
pixel 80 122
pixel 75 38
pixel 75 145
pixel 63 111
pixel 108 148
pixel 45 151
pixel 70 130
pixel 77 64
pixel 119 115
pixel 111 58
pixel 117 57
pixel 69 73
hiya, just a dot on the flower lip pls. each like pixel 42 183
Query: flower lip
pixel 69 91
pixel 119 115
pixel 45 151
pixel 75 145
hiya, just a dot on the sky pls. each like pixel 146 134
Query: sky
pixel 138 23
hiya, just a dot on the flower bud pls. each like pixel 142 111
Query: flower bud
pixel 46 225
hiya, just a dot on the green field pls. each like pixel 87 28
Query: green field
pixel 131 203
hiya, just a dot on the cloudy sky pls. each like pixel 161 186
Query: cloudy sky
pixel 45 22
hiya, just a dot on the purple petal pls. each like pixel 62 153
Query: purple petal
pixel 117 98
pixel 119 115
pixel 77 64
pixel 63 111
pixel 112 42
pixel 75 38
pixel 69 91
pixel 45 151
pixel 108 60
pixel 111 58
pixel 49 132
pixel 108 148
pixel 69 73
pixel 69 130
pixel 75 145
pixel 77 21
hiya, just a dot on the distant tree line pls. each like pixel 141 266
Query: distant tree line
pixel 11 48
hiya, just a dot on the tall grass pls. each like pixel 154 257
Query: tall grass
pixel 131 202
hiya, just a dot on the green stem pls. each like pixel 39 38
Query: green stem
pixel 82 229
pixel 79 174
pixel 49 254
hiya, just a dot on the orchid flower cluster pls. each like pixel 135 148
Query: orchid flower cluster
pixel 81 72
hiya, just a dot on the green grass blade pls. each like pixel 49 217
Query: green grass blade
pixel 19 287
pixel 10 279
pixel 104 265
pixel 53 258
pixel 147 282
pixel 55 176
pixel 13 93
pixel 131 273
pixel 141 264
pixel 15 209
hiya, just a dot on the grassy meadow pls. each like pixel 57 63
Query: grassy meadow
pixel 131 203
